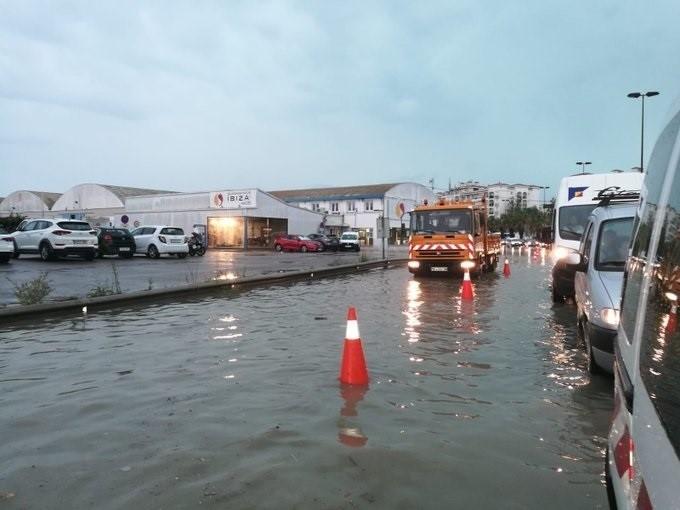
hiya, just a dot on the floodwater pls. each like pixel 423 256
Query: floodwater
pixel 233 401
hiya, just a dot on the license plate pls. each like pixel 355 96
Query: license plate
pixel 78 241
pixel 175 241
pixel 439 269
pixel 124 249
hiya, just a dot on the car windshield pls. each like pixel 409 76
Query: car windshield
pixel 119 231
pixel 74 225
pixel 304 238
pixel 430 222
pixel 350 236
pixel 172 231
pixel 573 220
pixel 612 245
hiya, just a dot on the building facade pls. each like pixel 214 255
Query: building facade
pixel 501 196
pixel 359 208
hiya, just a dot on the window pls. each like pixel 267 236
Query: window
pixel 612 244
pixel 490 194
pixel 441 221
pixel 586 241
pixel 351 205
pixel 635 267
pixel 71 225
pixel 335 207
pixel 315 207
pixel 368 205
pixel 172 231
pixel 31 226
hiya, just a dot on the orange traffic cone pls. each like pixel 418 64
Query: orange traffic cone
pixel 466 292
pixel 506 269
pixel 353 368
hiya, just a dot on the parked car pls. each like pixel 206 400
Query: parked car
pixel 349 241
pixel 6 247
pixel 294 242
pixel 156 240
pixel 531 243
pixel 643 446
pixel 515 243
pixel 327 242
pixel 115 241
pixel 52 238
pixel 598 280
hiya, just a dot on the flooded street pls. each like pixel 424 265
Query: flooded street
pixel 233 402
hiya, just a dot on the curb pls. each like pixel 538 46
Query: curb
pixel 94 304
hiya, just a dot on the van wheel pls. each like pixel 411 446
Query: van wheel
pixel 593 367
pixel 153 252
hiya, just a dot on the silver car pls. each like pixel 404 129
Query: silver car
pixel 599 266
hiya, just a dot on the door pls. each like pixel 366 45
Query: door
pixel 581 283
pixel 142 238
pixel 22 237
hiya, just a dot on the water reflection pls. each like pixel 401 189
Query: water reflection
pixel 349 432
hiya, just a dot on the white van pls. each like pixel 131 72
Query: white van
pixel 573 205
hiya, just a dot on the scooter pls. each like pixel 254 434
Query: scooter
pixel 196 246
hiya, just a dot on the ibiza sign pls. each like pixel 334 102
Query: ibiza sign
pixel 245 199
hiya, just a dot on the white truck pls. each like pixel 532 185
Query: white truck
pixel 574 203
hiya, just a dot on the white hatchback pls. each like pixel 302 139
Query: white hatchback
pixel 6 247
pixel 154 241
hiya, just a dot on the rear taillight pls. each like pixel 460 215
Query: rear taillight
pixel 643 501
pixel 162 239
pixel 61 232
pixel 623 455
pixel 108 238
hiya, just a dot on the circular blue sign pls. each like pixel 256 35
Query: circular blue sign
pixel 124 219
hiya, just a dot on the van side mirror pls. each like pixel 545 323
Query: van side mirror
pixel 576 261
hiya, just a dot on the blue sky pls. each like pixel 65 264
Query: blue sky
pixel 225 95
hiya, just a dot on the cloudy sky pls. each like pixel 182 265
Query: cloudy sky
pixel 225 95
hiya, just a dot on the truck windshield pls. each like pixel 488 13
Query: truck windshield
pixel 573 220
pixel 430 222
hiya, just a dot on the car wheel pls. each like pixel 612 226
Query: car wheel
pixel 100 254
pixel 46 252
pixel 153 252
pixel 181 255
pixel 593 367
pixel 4 259
pixel 277 247
pixel 358 248
pixel 89 256
pixel 303 249
pixel 16 253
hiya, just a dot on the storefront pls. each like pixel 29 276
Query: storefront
pixel 244 232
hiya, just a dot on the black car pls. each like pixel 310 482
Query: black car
pixel 328 242
pixel 115 241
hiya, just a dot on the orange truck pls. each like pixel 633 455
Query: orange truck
pixel 448 236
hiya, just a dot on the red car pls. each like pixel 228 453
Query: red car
pixel 292 242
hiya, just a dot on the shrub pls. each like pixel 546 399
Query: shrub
pixel 101 290
pixel 33 291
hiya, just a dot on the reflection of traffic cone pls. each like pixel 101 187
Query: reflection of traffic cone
pixel 352 436
pixel 672 324
pixel 466 289
pixel 353 369
pixel 351 395
pixel 506 269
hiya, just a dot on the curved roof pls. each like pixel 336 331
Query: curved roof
pixel 338 193
pixel 29 201
pixel 126 191
pixel 99 196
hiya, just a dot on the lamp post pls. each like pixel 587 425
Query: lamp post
pixel 637 95
pixel 583 165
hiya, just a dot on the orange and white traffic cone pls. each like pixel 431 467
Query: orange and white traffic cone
pixel 506 269
pixel 353 368
pixel 466 292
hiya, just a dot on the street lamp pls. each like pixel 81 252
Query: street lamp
pixel 643 95
pixel 583 165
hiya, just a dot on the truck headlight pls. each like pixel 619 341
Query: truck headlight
pixel 559 253
pixel 610 316
pixel 467 264
pixel 413 264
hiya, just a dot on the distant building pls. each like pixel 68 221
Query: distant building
pixel 501 195
pixel 359 207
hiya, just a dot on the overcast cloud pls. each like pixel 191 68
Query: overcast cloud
pixel 224 95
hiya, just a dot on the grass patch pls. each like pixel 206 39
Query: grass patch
pixel 33 291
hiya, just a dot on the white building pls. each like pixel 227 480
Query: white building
pixel 359 207
pixel 501 195
pixel 28 203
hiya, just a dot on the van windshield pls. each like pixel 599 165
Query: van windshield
pixel 430 222
pixel 573 220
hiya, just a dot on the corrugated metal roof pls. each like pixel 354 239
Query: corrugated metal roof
pixel 123 192
pixel 337 193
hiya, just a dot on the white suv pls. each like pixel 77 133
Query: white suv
pixel 54 237
pixel 153 241
pixel 6 247
pixel 349 241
